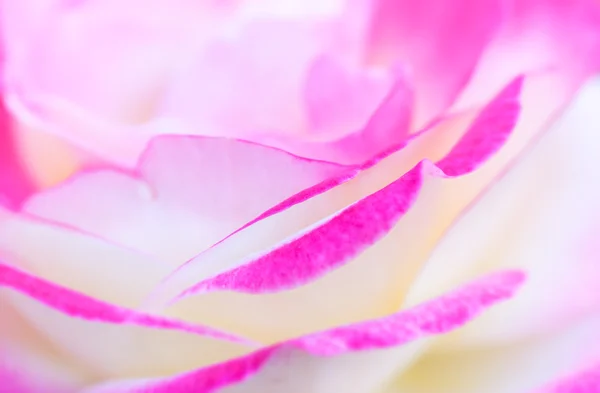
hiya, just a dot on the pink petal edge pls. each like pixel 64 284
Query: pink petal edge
pixel 389 125
pixel 14 182
pixel 586 381
pixel 440 41
pixel 203 176
pixel 437 316
pixel 327 246
pixel 78 305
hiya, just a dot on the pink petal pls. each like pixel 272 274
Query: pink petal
pixel 133 54
pixel 28 361
pixel 435 317
pixel 386 127
pixel 190 190
pixel 280 367
pixel 77 260
pixel 335 242
pixel 324 248
pixel 231 78
pixel 100 103
pixel 439 40
pixel 586 381
pixel 338 100
pixel 80 306
pixel 541 216
pixel 558 37
pixel 14 184
pixel 222 74
pixel 323 282
pixel 291 74
pixel 13 383
pixel 109 339
pixel 493 369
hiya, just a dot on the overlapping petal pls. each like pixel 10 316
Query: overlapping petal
pixel 439 41
pixel 111 341
pixel 538 360
pixel 554 320
pixel 555 239
pixel 190 190
pixel 558 38
pixel 341 244
pixel 327 357
pixel 318 255
pixel 159 61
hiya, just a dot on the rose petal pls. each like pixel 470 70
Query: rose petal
pixel 78 260
pixel 326 246
pixel 14 184
pixel 109 339
pixel 541 216
pixel 387 126
pixel 327 357
pixel 561 37
pixel 339 100
pixel 80 306
pixel 232 72
pixel 229 78
pixel 439 40
pixel 190 190
pixel 133 52
pixel 492 369
pixel 84 124
pixel 586 381
pixel 28 362
pixel 371 217
pixel 13 383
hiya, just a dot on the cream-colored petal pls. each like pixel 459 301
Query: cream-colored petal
pixel 541 216
pixel 108 350
pixel 373 284
pixel 517 367
pixel 78 261
pixel 31 358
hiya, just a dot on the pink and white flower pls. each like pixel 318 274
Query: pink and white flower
pixel 288 196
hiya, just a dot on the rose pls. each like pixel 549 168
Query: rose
pixel 347 58
pixel 301 273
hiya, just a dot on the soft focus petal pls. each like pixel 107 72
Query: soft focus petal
pixel 14 183
pixel 190 69
pixel 440 41
pixel 118 80
pixel 81 306
pixel 132 51
pixel 586 381
pixel 190 190
pixel 520 366
pixel 305 258
pixel 271 88
pixel 558 37
pixel 555 238
pixel 328 357
pixel 29 363
pixel 338 100
pixel 389 125
pixel 271 250
pixel 109 340
pixel 78 260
